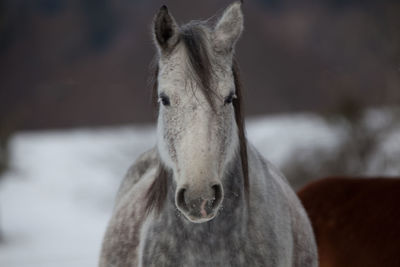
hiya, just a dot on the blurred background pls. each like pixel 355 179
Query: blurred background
pixel 322 81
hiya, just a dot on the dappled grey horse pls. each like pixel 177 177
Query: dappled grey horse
pixel 204 196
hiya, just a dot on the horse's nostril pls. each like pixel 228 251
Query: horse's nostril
pixel 181 200
pixel 217 195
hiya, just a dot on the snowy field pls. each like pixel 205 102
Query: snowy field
pixel 57 197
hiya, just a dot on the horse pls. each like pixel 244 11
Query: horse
pixel 204 196
pixel 356 220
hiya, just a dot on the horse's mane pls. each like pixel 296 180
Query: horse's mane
pixel 200 66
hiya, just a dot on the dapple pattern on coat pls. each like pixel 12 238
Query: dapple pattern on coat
pixel 204 196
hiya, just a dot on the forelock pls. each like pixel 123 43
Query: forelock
pixel 197 44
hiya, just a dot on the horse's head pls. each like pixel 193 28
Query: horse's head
pixel 197 128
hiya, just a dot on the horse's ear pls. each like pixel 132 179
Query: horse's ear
pixel 165 30
pixel 229 28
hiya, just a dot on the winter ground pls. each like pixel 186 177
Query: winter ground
pixel 57 197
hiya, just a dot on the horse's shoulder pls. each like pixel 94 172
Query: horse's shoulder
pixel 266 173
pixel 333 190
pixel 122 237
pixel 274 184
pixel 327 196
pixel 277 189
pixel 145 163
pixel 361 208
pixel 322 185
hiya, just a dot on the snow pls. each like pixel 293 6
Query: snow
pixel 56 199
pixel 58 195
pixel 276 137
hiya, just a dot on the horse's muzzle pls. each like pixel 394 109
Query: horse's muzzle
pixel 200 205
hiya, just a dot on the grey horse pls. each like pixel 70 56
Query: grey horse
pixel 204 196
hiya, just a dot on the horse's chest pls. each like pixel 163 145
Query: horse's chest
pixel 217 247
pixel 177 252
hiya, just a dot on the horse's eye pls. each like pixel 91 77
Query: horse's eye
pixel 164 99
pixel 230 98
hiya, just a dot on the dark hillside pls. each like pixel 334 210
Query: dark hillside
pixel 85 62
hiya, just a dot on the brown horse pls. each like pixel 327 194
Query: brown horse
pixel 356 220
